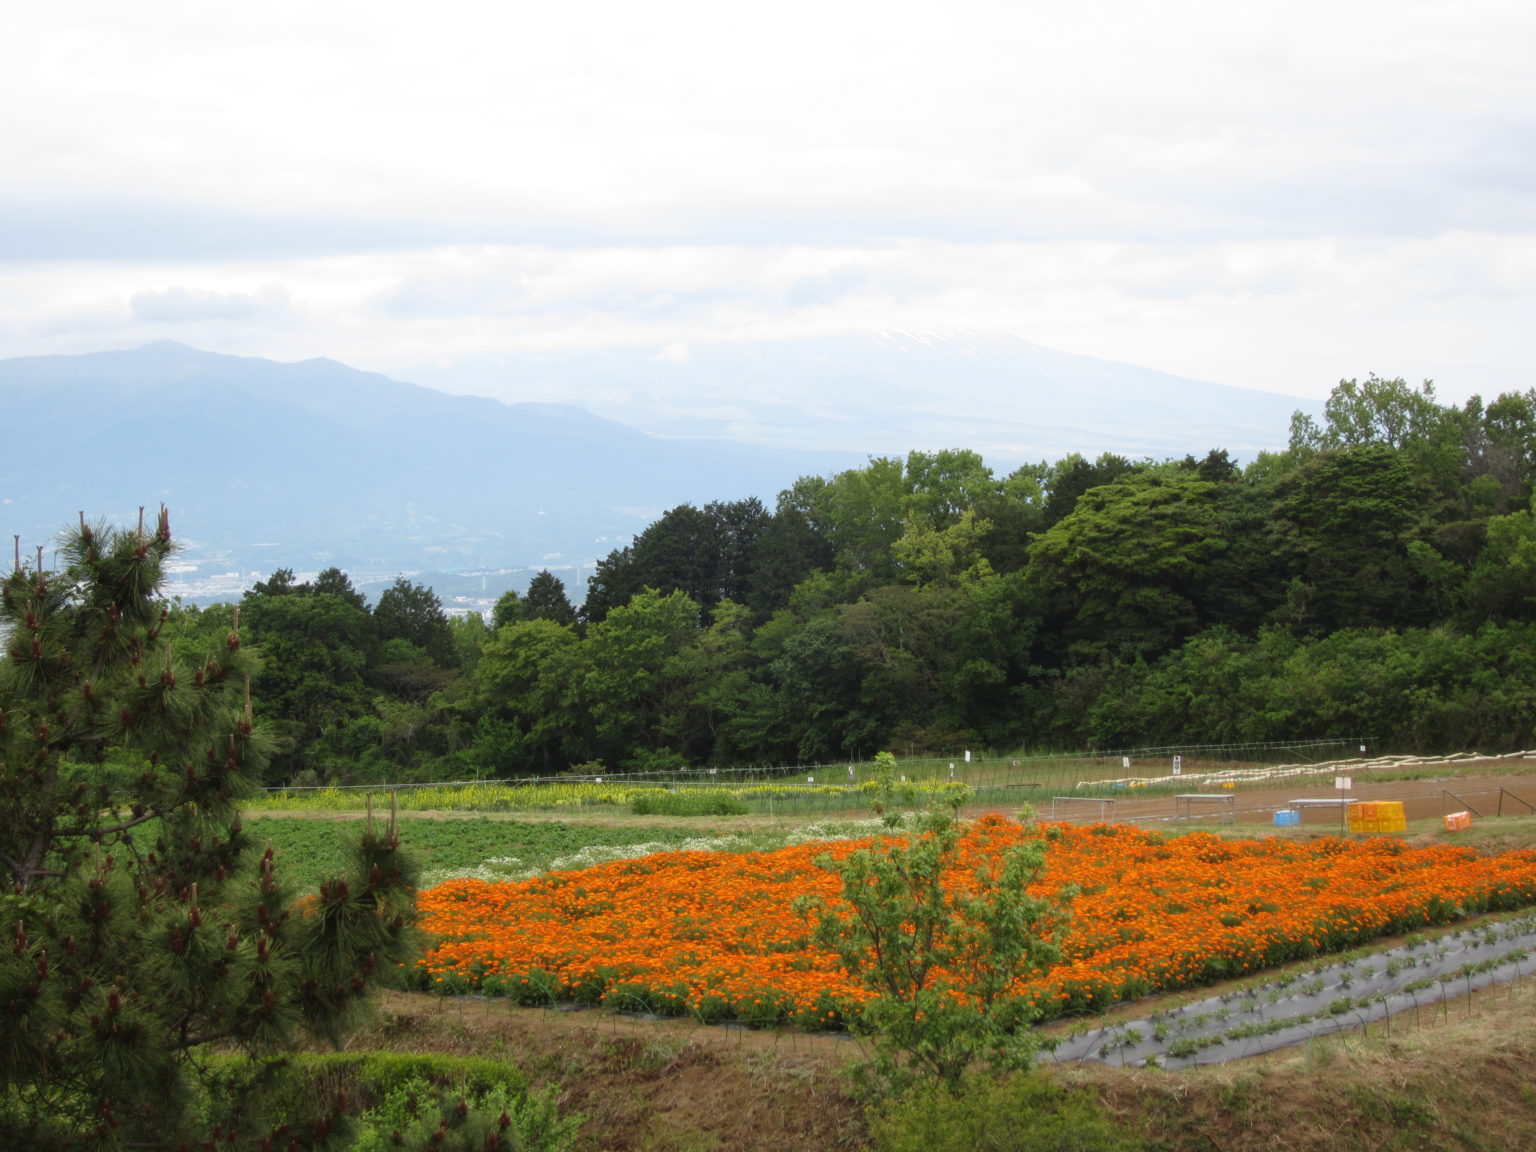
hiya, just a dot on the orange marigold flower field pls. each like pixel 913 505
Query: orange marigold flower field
pixel 716 934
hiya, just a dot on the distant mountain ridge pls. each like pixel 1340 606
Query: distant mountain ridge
pixel 886 393
pixel 314 463
pixel 311 464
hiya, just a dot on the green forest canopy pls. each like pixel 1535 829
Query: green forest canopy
pixel 1379 575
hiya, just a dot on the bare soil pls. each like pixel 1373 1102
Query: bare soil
pixel 1500 788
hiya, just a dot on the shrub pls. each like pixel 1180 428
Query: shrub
pixel 940 963
pixel 686 802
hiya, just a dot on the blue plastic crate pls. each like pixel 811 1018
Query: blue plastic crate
pixel 1287 817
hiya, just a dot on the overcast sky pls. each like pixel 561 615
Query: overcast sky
pixel 1272 195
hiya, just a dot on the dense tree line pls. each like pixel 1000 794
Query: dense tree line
pixel 1378 576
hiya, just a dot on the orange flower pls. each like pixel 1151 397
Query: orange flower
pixel 716 933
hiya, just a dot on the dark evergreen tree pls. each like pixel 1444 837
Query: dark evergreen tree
pixel 316 649
pixel 1353 515
pixel 711 554
pixel 611 586
pixel 786 549
pixel 1015 509
pixel 139 932
pixel 739 524
pixel 412 612
pixel 335 582
pixel 1071 476
pixel 546 600
pixel 280 583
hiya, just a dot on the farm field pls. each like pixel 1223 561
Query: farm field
pixel 670 1083
pixel 1255 928
pixel 311 849
pixel 716 935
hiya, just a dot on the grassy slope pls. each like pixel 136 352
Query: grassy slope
pixel 1457 1079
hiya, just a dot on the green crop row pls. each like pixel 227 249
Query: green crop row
pixel 641 798
pixel 309 851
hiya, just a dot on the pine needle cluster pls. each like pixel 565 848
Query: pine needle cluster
pixel 139 930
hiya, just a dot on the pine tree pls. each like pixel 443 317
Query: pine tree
pixel 137 934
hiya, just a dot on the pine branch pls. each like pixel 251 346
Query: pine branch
pixel 123 826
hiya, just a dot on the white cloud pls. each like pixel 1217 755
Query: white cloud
pixel 1288 315
pixel 1109 117
pixel 177 304
pixel 1265 195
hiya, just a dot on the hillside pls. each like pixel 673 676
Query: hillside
pixel 1454 1082
pixel 315 464
pixel 881 393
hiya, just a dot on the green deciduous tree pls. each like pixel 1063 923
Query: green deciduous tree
pixel 939 952
pixel 1502 584
pixel 631 687
pixel 1124 570
pixel 1377 411
pixel 508 609
pixel 138 930
pixel 518 692
pixel 864 512
pixel 818 710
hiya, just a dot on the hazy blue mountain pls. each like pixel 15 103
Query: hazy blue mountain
pixel 311 464
pixel 306 465
pixel 886 393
